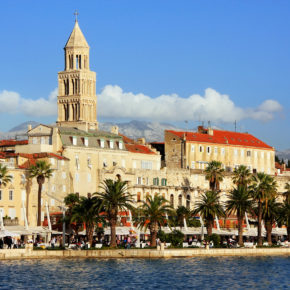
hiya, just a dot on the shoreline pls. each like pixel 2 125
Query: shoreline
pixel 16 254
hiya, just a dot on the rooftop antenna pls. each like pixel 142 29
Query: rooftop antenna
pixel 208 124
pixel 76 15
pixel 235 125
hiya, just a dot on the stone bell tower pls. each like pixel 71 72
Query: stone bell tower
pixel 77 100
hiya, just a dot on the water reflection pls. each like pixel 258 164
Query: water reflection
pixel 206 273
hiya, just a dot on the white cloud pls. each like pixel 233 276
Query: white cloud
pixel 40 107
pixel 113 102
pixel 9 102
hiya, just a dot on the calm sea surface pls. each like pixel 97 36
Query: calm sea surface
pixel 204 273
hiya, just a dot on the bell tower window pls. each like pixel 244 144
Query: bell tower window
pixel 78 61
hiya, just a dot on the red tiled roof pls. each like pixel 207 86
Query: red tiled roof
pixel 126 139
pixel 137 148
pixel 223 137
pixel 12 142
pixel 42 155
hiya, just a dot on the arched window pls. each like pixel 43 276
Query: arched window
pixel 118 177
pixel 188 201
pixel 138 196
pixel 172 200
pixel 180 200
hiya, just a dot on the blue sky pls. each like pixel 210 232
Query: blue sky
pixel 158 60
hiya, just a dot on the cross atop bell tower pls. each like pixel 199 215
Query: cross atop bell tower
pixel 77 100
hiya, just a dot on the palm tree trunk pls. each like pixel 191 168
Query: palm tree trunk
pixel 240 228
pixel 39 204
pixel 268 225
pixel 113 223
pixel 288 232
pixel 209 226
pixel 260 238
pixel 153 236
pixel 90 233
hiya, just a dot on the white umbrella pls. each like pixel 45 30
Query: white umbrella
pixel 5 233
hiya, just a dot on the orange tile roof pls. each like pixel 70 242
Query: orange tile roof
pixel 223 137
pixel 137 148
pixel 13 142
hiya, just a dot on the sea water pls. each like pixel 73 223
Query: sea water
pixel 182 273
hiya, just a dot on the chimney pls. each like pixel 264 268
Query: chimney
pixel 29 127
pixel 210 131
pixel 141 141
pixel 115 130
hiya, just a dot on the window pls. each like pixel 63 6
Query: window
pixel 163 181
pixel 200 149
pixel 89 162
pixel 192 148
pixel 42 140
pixel 188 201
pixel 134 164
pixel 102 143
pixel 86 141
pixel 268 171
pixel 146 164
pixel 111 144
pixel 52 202
pixel 62 162
pixel 248 153
pixel 52 161
pixel 63 175
pixel 123 163
pixel 139 180
pixel 180 200
pixel 172 200
pixel 138 196
pixel 77 177
pixel 120 145
pixel 0 194
pixel 223 151
pixel 74 140
pixel 156 181
pixel 53 188
pixel 262 155
pixel 255 154
pixel 64 188
pixel 89 177
pixel 34 140
pixel 193 164
pixel 242 153
pixel 236 152
pixel 12 213
pixel 10 194
pixel 268 155
pixel 215 150
pixel 208 150
pixel 105 163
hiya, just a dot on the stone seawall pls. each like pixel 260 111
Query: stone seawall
pixel 139 253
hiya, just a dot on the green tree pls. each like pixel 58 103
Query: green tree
pixel 115 198
pixel 239 201
pixel 262 189
pixel 209 206
pixel 86 210
pixel 284 216
pixel 286 194
pixel 152 215
pixel 40 170
pixel 183 213
pixel 5 178
pixel 71 200
pixel 271 213
pixel 214 173
pixel 242 176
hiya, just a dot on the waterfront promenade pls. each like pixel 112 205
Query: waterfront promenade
pixel 138 253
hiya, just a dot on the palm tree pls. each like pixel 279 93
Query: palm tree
pixel 5 178
pixel 262 189
pixel 284 217
pixel 40 170
pixel 271 213
pixel 152 215
pixel 183 213
pixel 71 200
pixel 114 197
pixel 208 207
pixel 242 176
pixel 86 210
pixel 214 173
pixel 286 194
pixel 240 202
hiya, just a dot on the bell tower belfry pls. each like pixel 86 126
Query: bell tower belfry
pixel 77 100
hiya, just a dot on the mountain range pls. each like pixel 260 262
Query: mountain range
pixel 152 131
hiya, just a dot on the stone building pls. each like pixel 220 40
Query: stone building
pixel 195 149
